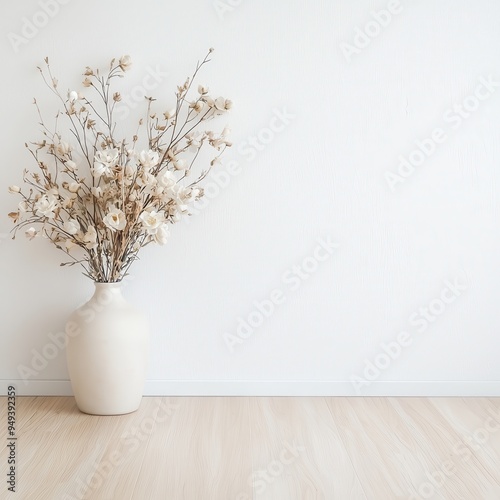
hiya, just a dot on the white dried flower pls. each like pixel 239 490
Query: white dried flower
pixel 74 187
pixel 202 89
pixel 149 159
pixel 210 102
pixel 194 141
pixel 115 219
pixel 96 191
pixel 63 148
pixel 180 164
pixel 128 175
pixel 90 237
pixel 220 103
pixel 167 180
pixel 152 220
pixel 68 201
pixel 70 165
pixel 72 226
pixel 147 180
pixel 72 96
pixel 162 234
pixel 158 191
pixel 196 106
pixel 104 161
pixel 46 205
pixel 14 189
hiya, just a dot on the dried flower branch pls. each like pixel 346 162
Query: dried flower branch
pixel 102 197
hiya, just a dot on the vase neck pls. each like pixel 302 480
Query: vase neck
pixel 107 293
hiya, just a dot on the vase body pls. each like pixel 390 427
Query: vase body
pixel 107 353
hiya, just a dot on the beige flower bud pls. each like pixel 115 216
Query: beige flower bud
pixel 31 233
pixel 69 244
pixel 169 114
pixel 125 63
pixel 96 191
pixel 74 187
pixel 197 106
pixel 210 102
pixel 70 165
pixel 220 103
pixel 180 164
pixel 14 189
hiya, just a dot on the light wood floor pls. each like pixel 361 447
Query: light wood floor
pixel 258 448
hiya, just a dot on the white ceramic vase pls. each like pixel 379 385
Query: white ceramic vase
pixel 107 352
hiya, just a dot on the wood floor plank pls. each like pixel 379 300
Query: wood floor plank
pixel 298 453
pixel 269 448
pixel 115 474
pixel 495 402
pixel 59 448
pixel 448 474
pixel 382 449
pixel 477 424
pixel 201 452
pixel 37 423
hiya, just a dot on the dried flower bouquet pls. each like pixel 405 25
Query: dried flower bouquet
pixel 100 198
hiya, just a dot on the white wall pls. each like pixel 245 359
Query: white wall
pixel 322 176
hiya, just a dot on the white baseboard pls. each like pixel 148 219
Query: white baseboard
pixel 274 388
